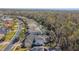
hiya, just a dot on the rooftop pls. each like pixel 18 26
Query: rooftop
pixel 2 31
pixel 4 18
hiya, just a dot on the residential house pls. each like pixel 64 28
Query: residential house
pixel 8 22
pixel 2 32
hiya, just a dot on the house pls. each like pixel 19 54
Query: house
pixel 38 42
pixel 8 22
pixel 2 33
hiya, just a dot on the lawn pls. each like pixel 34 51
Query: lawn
pixel 2 47
pixel 11 33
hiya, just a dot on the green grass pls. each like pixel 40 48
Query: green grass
pixel 22 33
pixel 2 47
pixel 9 35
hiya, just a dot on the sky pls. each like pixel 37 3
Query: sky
pixel 39 4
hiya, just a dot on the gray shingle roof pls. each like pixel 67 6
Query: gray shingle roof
pixel 2 31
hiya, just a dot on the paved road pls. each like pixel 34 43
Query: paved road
pixel 10 45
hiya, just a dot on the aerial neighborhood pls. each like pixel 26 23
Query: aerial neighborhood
pixel 39 30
